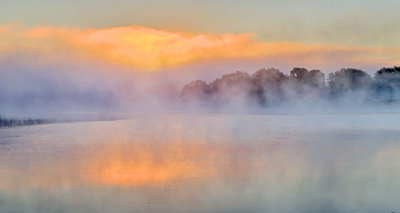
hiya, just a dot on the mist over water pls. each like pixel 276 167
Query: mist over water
pixel 30 87
pixel 203 163
pixel 268 141
pixel 199 106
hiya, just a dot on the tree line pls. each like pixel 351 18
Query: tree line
pixel 11 122
pixel 271 87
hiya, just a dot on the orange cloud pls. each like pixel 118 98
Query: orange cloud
pixel 152 49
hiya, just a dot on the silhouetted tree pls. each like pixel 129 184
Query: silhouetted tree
pixel 388 72
pixel 231 80
pixel 231 86
pixel 312 78
pixel 386 86
pixel 196 91
pixel 316 79
pixel 299 74
pixel 348 80
pixel 310 84
pixel 268 86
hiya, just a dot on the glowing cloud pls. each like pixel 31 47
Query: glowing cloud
pixel 152 49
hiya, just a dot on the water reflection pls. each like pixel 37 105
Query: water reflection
pixel 201 164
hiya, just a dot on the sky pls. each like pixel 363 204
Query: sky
pixel 340 24
pixel 159 35
pixel 348 22
pixel 91 50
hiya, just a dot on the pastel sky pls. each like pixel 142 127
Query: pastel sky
pixel 340 21
pixel 155 34
pixel 59 55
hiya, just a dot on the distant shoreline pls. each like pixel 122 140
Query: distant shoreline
pixel 14 122
pixel 6 122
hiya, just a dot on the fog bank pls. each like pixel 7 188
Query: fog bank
pixel 302 90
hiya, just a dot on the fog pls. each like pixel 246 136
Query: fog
pixel 30 88
pixel 33 87
pixel 203 163
pixel 300 91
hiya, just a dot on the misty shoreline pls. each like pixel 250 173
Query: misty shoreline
pixel 301 90
pixel 12 122
pixel 15 122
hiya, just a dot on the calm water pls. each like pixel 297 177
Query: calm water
pixel 204 163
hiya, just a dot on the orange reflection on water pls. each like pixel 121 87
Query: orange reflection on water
pixel 137 164
pixel 123 161
pixel 145 163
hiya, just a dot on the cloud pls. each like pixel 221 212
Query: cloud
pixel 143 48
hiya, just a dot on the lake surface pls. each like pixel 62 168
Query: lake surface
pixel 204 163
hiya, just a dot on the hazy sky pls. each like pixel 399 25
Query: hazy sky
pixel 89 53
pixel 159 34
pixel 347 22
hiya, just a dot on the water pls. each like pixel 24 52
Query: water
pixel 204 163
